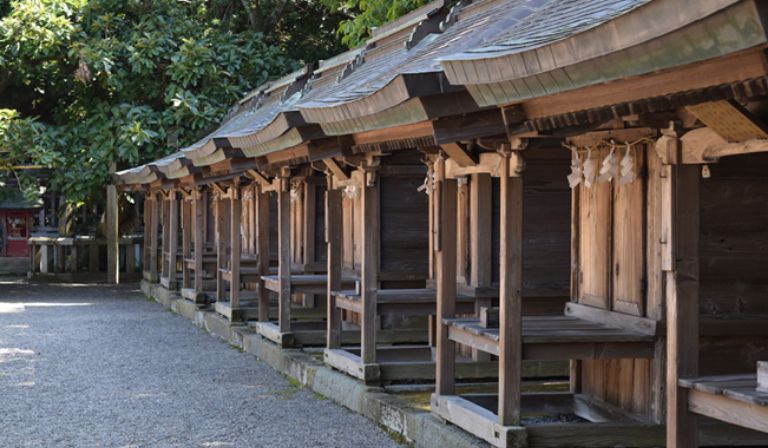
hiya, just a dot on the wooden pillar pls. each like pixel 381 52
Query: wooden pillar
pixel 262 249
pixel 147 217
pixel 199 218
pixel 165 237
pixel 680 262
pixel 310 217
pixel 221 246
pixel 510 293
pixel 235 246
pixel 333 229
pixel 370 261
pixel 284 249
pixel 113 243
pixel 480 231
pixel 173 238
pixel 445 197
pixel 153 236
pixel 186 240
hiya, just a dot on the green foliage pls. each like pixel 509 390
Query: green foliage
pixel 128 81
pixel 365 15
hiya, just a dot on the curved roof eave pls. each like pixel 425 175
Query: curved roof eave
pixel 629 45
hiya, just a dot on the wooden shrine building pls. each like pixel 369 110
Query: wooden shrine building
pixel 494 185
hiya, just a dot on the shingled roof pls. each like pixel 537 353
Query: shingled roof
pixel 435 63
pixel 568 44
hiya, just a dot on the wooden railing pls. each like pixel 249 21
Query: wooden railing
pixel 82 257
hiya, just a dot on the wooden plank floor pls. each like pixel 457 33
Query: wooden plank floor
pixel 556 337
pixel 741 387
pixel 405 302
pixel 299 281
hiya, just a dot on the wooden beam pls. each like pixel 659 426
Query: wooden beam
pixel 619 135
pixel 446 193
pixel 416 130
pixel 459 154
pixel 510 295
pixel 738 67
pixel 173 235
pixel 470 126
pixel 153 235
pixel 704 145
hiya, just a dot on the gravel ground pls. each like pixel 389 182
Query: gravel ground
pixel 99 366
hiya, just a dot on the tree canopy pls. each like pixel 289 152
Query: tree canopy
pixel 365 15
pixel 84 83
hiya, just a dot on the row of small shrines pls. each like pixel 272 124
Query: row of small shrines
pixel 431 265
pixel 491 193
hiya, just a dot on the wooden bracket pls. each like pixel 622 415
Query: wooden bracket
pixel 729 120
pixel 258 177
pixel 336 169
pixel 459 153
pixel 705 145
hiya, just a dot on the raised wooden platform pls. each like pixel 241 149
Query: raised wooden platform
pixel 556 338
pixel 402 363
pixel 247 310
pixel 734 399
pixel 307 283
pixel 403 302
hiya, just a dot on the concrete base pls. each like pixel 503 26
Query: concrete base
pixel 416 426
pixel 14 265
pixel 423 428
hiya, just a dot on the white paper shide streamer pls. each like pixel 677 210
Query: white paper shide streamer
pixel 610 167
pixel 590 170
pixel 577 173
pixel 628 172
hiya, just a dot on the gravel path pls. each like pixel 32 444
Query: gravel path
pixel 99 366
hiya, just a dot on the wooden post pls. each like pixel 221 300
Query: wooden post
pixel 165 229
pixel 284 249
pixel 235 246
pixel 186 240
pixel 221 247
pixel 680 261
pixel 199 216
pixel 310 215
pixel 153 234
pixel 173 238
pixel 113 243
pixel 446 193
pixel 480 231
pixel 510 294
pixel 333 229
pixel 262 249
pixel 370 261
